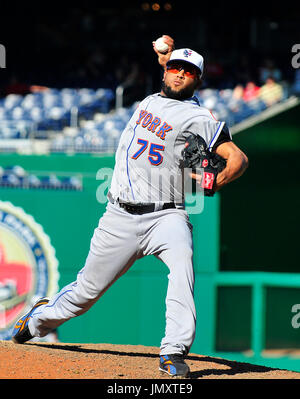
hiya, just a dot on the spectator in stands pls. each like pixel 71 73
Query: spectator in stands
pixel 271 92
pixel 238 92
pixel 15 86
pixel 234 103
pixel 251 91
pixel 269 70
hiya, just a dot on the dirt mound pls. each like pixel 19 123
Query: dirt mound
pixel 103 361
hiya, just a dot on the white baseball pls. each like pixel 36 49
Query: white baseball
pixel 161 45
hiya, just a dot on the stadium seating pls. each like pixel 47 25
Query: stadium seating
pixel 226 107
pixel 96 135
pixel 104 135
pixel 100 126
pixel 16 177
pixel 49 110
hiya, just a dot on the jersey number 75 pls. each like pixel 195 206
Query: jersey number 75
pixel 154 155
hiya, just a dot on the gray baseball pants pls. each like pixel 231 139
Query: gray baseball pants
pixel 119 240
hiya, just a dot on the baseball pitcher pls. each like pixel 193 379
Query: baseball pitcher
pixel 145 214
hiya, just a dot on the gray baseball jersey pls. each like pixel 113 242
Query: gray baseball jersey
pixel 148 157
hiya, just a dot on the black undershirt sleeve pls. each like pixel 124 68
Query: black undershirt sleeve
pixel 224 137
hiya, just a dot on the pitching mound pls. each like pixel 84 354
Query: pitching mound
pixel 103 361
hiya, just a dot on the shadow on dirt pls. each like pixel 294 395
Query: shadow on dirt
pixel 235 367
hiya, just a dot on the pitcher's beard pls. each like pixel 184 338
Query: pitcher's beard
pixel 182 94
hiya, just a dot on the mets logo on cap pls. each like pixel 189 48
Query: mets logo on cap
pixel 28 266
pixel 187 53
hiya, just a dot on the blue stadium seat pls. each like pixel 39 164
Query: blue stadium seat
pixel 8 179
pixel 71 183
pixel 33 181
pixel 3 113
pixel 50 181
pixel 12 100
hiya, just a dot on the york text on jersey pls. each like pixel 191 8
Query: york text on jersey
pixel 153 124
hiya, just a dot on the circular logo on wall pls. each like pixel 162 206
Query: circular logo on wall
pixel 28 266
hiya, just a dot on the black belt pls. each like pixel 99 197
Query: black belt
pixel 141 209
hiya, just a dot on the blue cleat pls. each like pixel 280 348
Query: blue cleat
pixel 174 365
pixel 21 331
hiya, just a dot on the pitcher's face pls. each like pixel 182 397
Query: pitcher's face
pixel 180 80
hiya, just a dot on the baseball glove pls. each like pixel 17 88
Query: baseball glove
pixel 196 155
